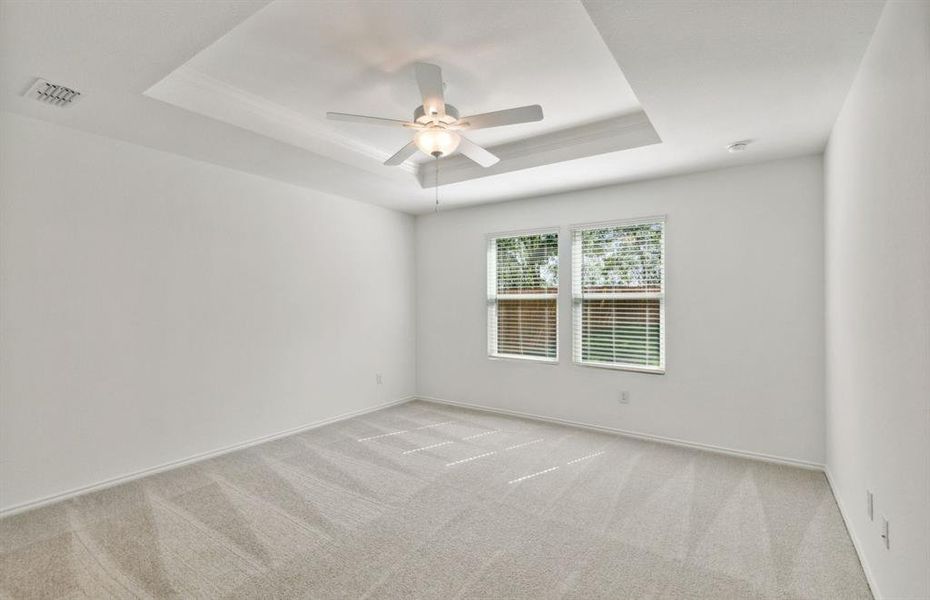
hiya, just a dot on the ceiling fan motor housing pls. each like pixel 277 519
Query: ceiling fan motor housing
pixel 451 116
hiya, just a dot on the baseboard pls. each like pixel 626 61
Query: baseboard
pixel 18 508
pixel 635 434
pixel 852 535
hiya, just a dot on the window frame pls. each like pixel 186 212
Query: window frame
pixel 578 298
pixel 492 296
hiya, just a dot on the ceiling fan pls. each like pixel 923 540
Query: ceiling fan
pixel 437 125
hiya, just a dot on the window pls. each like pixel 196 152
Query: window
pixel 618 295
pixel 523 289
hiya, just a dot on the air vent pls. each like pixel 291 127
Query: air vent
pixel 52 93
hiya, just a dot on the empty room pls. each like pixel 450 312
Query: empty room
pixel 465 299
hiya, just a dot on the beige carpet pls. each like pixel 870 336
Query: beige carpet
pixel 427 501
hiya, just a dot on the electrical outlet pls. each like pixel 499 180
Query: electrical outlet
pixel 624 397
pixel 885 537
pixel 378 379
pixel 870 505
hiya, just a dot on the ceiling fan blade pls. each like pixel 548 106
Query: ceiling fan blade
pixel 334 116
pixel 477 153
pixel 401 155
pixel 429 79
pixel 510 116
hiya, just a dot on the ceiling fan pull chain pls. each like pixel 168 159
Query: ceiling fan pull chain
pixel 436 160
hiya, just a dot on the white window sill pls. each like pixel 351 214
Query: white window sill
pixel 616 367
pixel 531 359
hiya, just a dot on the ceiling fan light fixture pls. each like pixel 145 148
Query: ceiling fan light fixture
pixel 437 142
pixel 436 124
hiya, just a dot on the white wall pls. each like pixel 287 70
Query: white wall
pixel 155 308
pixel 878 302
pixel 744 311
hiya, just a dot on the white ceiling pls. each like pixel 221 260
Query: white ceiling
pixel 245 84
pixel 280 71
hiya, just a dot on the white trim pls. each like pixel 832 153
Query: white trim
pixel 523 232
pixel 554 296
pixel 769 458
pixel 624 296
pixel 578 296
pixel 186 81
pixel 660 218
pixel 24 506
pixel 621 367
pixel 492 297
pixel 524 357
pixel 857 545
pixel 613 134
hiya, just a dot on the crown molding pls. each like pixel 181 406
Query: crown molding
pixel 193 90
pixel 623 132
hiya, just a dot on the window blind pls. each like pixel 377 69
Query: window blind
pixel 618 295
pixel 523 289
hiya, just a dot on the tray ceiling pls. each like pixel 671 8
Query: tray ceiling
pixel 281 70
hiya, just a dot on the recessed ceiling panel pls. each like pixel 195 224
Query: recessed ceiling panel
pixel 281 70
